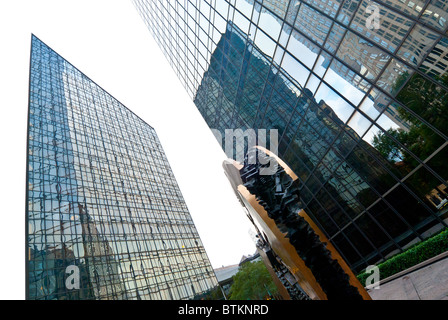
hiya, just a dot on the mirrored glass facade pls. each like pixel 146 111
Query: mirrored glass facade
pixel 357 89
pixel 105 216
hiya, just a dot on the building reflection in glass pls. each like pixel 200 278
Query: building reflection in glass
pixel 105 216
pixel 361 111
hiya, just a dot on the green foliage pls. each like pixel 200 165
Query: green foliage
pixel 416 254
pixel 387 147
pixel 429 101
pixel 252 282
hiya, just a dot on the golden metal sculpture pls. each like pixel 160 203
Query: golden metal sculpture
pixel 278 240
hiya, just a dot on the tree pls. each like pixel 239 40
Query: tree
pixel 387 147
pixel 430 101
pixel 427 99
pixel 252 282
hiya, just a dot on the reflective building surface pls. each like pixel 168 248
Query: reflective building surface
pixel 358 91
pixel 105 216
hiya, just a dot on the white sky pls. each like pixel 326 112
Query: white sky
pixel 108 41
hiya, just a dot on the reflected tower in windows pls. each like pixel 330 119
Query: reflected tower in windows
pixel 361 111
pixel 105 216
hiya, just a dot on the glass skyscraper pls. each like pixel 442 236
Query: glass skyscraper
pixel 358 91
pixel 105 216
